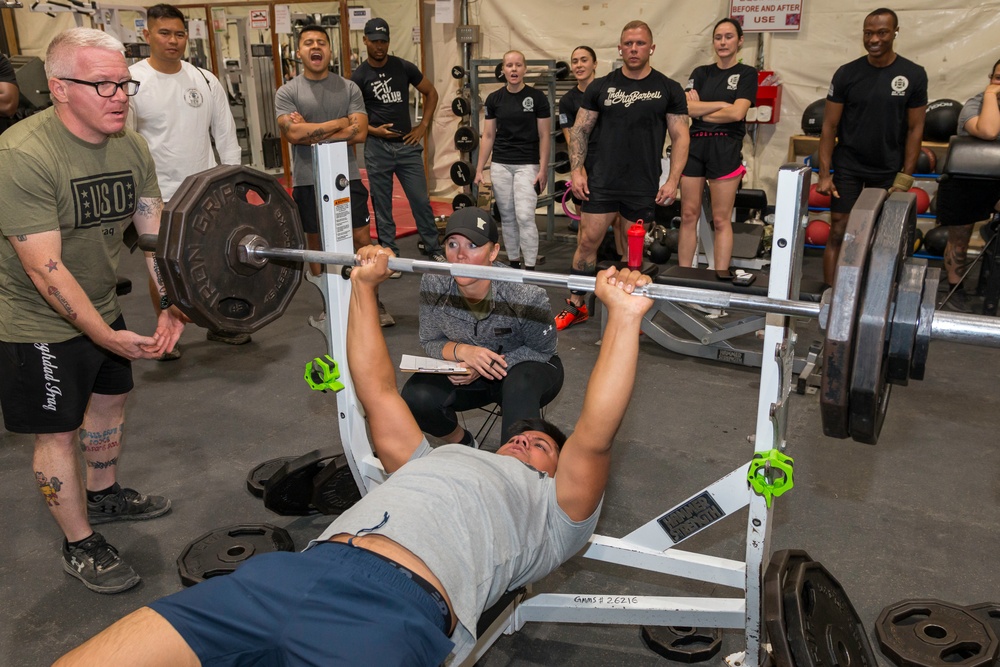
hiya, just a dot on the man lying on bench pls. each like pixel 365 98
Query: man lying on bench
pixel 402 577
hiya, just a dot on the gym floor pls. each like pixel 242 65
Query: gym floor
pixel 913 517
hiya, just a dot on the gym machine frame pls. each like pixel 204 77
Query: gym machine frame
pixel 651 546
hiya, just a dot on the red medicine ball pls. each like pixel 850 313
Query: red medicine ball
pixel 817 232
pixel 816 200
pixel 923 199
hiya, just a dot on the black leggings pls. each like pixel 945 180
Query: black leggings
pixel 529 386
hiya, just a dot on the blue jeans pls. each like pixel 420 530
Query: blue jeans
pixel 383 159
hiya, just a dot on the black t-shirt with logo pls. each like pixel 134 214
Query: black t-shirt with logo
pixel 517 117
pixel 386 91
pixel 871 136
pixel 714 84
pixel 632 126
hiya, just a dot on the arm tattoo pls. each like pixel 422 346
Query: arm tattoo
pixel 53 265
pixel 21 237
pixel 353 127
pixel 579 135
pixel 70 313
pixel 674 118
pixel 150 207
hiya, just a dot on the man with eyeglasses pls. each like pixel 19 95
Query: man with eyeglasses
pixel 874 115
pixel 71 177
pixel 179 110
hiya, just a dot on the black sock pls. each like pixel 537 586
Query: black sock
pixel 466 439
pixel 94 496
pixel 529 268
pixel 79 542
pixel 515 264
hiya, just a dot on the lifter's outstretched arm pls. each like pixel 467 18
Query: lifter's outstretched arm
pixel 585 460
pixel 395 433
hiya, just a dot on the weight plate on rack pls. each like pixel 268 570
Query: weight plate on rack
pixel 782 563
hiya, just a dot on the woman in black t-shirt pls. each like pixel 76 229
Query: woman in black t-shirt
pixel 583 65
pixel 718 97
pixel 517 131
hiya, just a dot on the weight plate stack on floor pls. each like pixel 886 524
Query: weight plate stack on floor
pixel 222 550
pixel 681 643
pixel 289 491
pixel 933 633
pixel 334 488
pixel 260 473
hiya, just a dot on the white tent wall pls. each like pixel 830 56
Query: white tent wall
pixel 950 38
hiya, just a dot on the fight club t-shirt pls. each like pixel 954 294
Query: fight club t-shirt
pixel 386 91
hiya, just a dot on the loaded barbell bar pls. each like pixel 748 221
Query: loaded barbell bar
pixel 254 251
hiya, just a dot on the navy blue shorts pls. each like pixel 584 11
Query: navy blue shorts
pixel 305 199
pixel 631 208
pixel 849 187
pixel 331 605
pixel 45 387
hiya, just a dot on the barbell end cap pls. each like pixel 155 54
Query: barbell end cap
pixel 147 242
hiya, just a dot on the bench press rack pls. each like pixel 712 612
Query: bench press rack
pixel 651 546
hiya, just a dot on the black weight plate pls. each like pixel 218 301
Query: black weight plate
pixel 561 162
pixel 932 633
pixel 262 472
pixel 682 644
pixel 460 107
pixel 562 70
pixel 466 139
pixel 870 392
pixel 461 173
pixel 334 488
pixel 905 315
pixel 196 253
pixel 775 576
pixel 498 72
pixel 461 200
pixel 989 612
pixel 289 490
pixel 922 342
pixel 457 72
pixel 221 551
pixel 823 627
pixel 838 347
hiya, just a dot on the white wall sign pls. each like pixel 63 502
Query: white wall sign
pixel 359 16
pixel 767 17
pixel 282 19
pixel 444 11
pixel 197 29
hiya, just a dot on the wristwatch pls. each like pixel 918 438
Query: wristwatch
pixel 165 302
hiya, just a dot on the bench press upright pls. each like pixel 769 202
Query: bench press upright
pixel 649 547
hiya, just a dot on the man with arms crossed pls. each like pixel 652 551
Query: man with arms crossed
pixel 632 108
pixel 71 177
pixel 179 109
pixel 402 577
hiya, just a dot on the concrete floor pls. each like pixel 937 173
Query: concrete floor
pixel 914 516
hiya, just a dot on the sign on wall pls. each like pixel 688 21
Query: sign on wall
pixel 259 19
pixel 757 16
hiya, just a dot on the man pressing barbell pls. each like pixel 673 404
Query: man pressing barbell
pixel 402 577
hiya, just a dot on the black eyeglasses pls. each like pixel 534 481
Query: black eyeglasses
pixel 108 88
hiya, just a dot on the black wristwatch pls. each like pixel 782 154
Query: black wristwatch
pixel 165 302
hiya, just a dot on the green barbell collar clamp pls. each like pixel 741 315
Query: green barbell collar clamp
pixel 770 474
pixel 322 374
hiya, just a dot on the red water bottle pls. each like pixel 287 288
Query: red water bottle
pixel 636 242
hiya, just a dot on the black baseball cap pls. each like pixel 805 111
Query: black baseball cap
pixel 474 224
pixel 377 30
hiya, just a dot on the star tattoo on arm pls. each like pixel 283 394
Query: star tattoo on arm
pixel 52 265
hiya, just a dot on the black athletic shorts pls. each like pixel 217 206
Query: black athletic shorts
pixel 964 201
pixel 631 208
pixel 849 187
pixel 45 387
pixel 714 155
pixel 305 199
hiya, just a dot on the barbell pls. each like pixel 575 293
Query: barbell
pixel 232 262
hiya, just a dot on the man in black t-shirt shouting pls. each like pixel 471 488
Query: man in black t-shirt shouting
pixel 393 144
pixel 875 115
pixel 631 109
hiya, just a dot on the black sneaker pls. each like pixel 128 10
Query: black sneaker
pixel 98 565
pixel 126 505
pixel 958 302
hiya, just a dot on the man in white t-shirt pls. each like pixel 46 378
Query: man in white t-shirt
pixel 178 109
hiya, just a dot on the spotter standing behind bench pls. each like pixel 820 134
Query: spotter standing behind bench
pixel 420 557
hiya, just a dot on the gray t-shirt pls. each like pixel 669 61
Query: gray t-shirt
pixel 973 107
pixel 483 523
pixel 318 102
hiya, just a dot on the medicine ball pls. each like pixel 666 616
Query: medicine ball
pixel 918 240
pixel 812 118
pixel 817 200
pixel 935 241
pixel 933 207
pixel 923 199
pixel 926 161
pixel 941 121
pixel 818 232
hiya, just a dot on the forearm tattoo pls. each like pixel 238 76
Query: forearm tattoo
pixel 150 207
pixel 55 293
pixel 579 135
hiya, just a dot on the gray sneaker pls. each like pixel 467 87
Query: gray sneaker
pixel 126 505
pixel 958 302
pixel 228 338
pixel 98 565
pixel 384 318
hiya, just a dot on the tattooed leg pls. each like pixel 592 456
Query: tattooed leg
pixel 101 439
pixel 956 252
pixel 57 474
